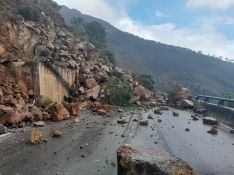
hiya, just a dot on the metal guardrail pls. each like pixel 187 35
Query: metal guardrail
pixel 216 100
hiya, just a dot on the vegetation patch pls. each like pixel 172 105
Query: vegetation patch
pixel 29 12
pixel 120 92
pixel 147 81
pixel 95 33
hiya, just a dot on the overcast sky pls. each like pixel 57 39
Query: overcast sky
pixel 206 25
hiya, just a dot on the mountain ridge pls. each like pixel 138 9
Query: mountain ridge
pixel 170 65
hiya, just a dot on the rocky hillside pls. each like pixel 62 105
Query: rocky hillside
pixel 168 64
pixel 41 36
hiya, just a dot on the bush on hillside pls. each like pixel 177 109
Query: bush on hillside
pixel 147 81
pixel 29 12
pixel 119 92
pixel 110 57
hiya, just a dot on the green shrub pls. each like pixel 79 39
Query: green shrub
pixel 119 92
pixel 110 57
pixel 147 81
pixel 28 12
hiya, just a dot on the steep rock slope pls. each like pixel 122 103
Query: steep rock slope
pixel 48 42
pixel 169 64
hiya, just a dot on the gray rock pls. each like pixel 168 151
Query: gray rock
pixel 139 161
pixel 3 129
pixel 210 121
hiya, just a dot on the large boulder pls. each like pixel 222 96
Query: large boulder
pixel 11 117
pixel 143 93
pixel 59 112
pixel 93 93
pixel 210 121
pixel 181 97
pixel 102 108
pixel 136 161
pixel 90 83
pixel 75 109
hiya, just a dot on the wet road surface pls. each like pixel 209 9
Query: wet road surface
pixel 207 154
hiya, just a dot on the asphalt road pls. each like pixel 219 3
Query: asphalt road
pixel 207 154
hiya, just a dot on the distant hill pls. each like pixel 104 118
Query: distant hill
pixel 168 64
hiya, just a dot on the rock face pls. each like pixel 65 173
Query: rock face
pixel 59 112
pixel 133 161
pixel 43 59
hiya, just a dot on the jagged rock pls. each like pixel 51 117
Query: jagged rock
pixel 105 68
pixel 36 113
pixel 150 117
pixel 134 99
pixel 102 112
pixel 158 112
pixel 144 122
pixel 175 114
pixel 210 121
pixel 91 83
pixel 57 133
pixel 81 90
pixel 39 123
pixel 123 120
pixel 61 34
pixel 187 129
pixel 195 118
pixel 59 112
pixel 13 102
pixel 83 105
pixel 50 46
pixel 102 108
pixel 187 104
pixel 3 129
pixel 138 161
pixel 213 131
pixel 72 64
pixel 93 93
pixel 75 109
pixel 181 97
pixel 11 117
pixel 36 137
pixel 77 120
pixel 143 93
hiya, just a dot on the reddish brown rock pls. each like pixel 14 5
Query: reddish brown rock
pixel 36 113
pixel 93 93
pixel 11 118
pixel 36 137
pixel 104 107
pixel 59 112
pixel 91 83
pixel 143 93
pixel 75 109
pixel 57 133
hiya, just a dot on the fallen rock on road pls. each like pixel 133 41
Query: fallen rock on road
pixel 137 161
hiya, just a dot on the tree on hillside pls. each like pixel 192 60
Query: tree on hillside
pixel 110 57
pixel 96 34
pixel 147 81
pixel 29 12
pixel 78 28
